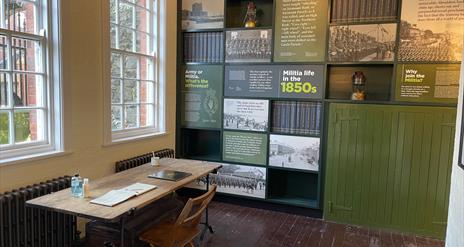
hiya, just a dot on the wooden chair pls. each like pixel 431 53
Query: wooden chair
pixel 185 229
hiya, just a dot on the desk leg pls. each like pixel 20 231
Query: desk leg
pixel 122 231
pixel 207 225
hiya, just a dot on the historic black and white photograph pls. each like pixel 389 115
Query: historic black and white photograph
pixel 238 180
pixel 433 33
pixel 294 152
pixel 249 46
pixel 202 14
pixel 246 114
pixel 426 45
pixel 355 43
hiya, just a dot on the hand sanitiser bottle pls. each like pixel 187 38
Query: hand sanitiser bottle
pixel 85 188
pixel 76 186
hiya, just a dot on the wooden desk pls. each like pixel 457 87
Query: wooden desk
pixel 63 201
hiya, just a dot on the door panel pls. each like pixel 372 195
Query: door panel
pixel 389 166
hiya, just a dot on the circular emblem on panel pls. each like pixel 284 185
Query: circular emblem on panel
pixel 211 102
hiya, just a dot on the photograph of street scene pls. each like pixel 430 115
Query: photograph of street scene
pixel 294 152
pixel 245 114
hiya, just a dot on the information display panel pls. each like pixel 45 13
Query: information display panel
pixel 275 81
pixel 437 83
pixel 301 30
pixel 201 96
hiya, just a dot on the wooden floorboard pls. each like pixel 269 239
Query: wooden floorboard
pixel 292 236
pixel 357 236
pixel 386 239
pixel 237 226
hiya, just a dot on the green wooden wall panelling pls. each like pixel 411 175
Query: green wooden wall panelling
pixel 389 166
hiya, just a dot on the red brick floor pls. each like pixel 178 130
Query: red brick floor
pixel 237 226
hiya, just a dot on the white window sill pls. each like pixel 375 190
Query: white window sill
pixel 33 157
pixel 135 138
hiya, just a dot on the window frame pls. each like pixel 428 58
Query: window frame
pixel 461 115
pixel 156 23
pixel 49 27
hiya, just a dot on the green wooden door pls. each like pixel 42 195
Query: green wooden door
pixel 389 166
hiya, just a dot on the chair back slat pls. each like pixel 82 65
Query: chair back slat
pixel 190 217
pixel 185 229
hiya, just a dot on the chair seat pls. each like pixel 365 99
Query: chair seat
pixel 159 235
pixel 180 232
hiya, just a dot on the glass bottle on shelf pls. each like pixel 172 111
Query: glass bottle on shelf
pixel 359 86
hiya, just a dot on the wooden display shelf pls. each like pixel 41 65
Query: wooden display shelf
pixel 202 63
pixel 236 11
pixel 388 102
pixel 293 187
pixel 294 134
pixel 296 201
pixel 349 23
pixel 377 86
pixel 247 28
pixel 206 30
pixel 201 144
pixel 293 169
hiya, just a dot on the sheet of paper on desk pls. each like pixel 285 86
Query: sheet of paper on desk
pixel 139 188
pixel 115 197
pixel 112 198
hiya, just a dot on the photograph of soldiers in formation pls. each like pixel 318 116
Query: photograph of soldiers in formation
pixel 237 180
pixel 294 152
pixel 435 35
pixel 425 45
pixel 355 43
pixel 249 46
pixel 241 114
pixel 202 14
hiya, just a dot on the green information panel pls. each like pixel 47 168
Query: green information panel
pixel 243 147
pixel 300 30
pixel 202 96
pixel 436 83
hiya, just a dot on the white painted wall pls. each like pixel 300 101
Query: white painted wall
pixel 455 231
pixel 83 103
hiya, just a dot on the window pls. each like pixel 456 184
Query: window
pixel 134 88
pixel 27 86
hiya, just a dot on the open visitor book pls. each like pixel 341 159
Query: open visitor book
pixel 115 197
